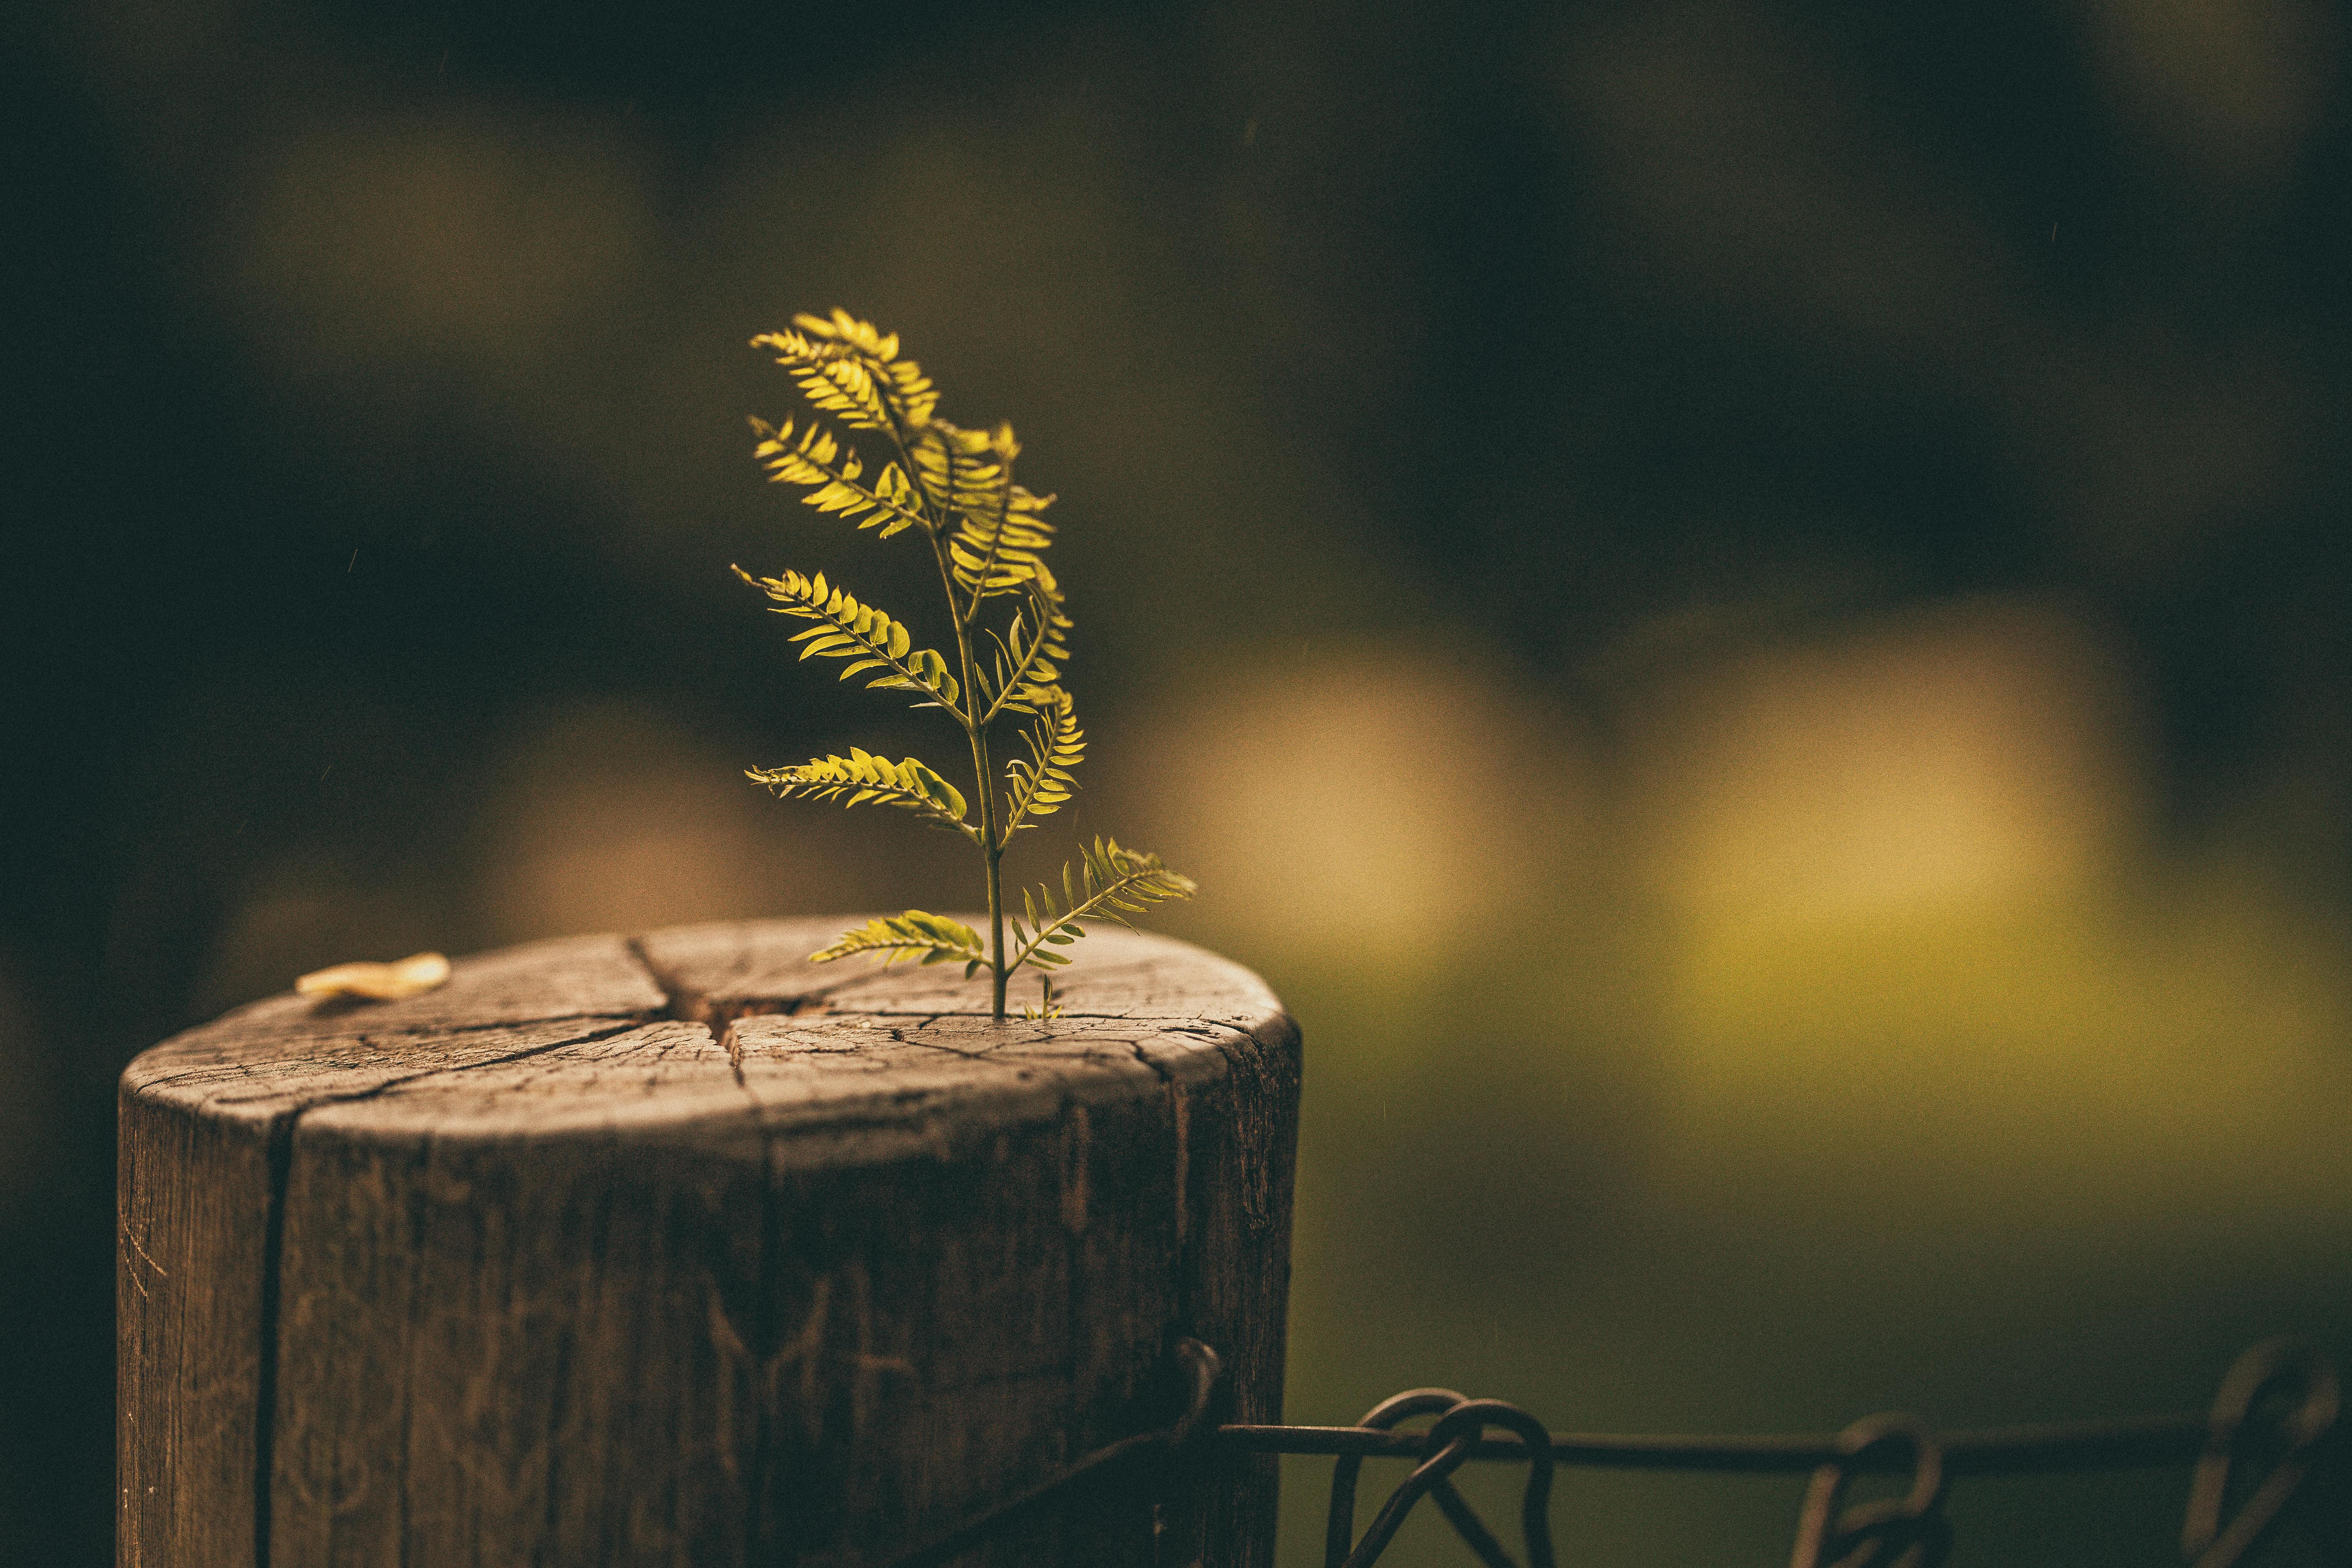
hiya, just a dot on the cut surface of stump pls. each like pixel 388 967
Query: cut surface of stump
pixel 680 1249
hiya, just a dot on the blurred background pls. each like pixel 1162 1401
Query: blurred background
pixel 1741 604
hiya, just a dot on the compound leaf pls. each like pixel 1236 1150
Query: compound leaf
pixel 833 474
pixel 1025 673
pixel 863 778
pixel 915 936
pixel 1042 783
pixel 847 629
pixel 848 369
pixel 1111 883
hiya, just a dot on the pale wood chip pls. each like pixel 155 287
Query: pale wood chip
pixel 411 977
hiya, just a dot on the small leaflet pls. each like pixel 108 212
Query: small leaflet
pixel 411 977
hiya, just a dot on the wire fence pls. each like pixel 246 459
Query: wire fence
pixel 2269 1460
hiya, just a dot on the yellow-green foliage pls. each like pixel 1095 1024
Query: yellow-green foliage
pixel 817 459
pixel 863 778
pixel 847 629
pixel 1112 883
pixel 1039 787
pixel 988 536
pixel 915 935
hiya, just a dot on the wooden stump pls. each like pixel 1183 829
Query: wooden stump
pixel 680 1249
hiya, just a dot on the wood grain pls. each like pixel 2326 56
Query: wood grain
pixel 538 1268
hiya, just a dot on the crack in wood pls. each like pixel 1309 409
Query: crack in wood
pixel 393 1086
pixel 690 1005
pixel 281 1164
pixel 389 1039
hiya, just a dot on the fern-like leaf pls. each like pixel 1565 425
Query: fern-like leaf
pixel 999 550
pixel 1042 783
pixel 1112 883
pixel 860 632
pixel 832 473
pixel 1025 674
pixel 1000 529
pixel 960 469
pixel 1001 533
pixel 914 937
pixel 851 370
pixel 862 777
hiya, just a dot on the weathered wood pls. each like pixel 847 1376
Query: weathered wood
pixel 536 1267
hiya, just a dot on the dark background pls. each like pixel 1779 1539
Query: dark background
pixel 1741 604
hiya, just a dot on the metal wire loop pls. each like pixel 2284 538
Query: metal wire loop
pixel 1449 1444
pixel 2233 1432
pixel 1339 1527
pixel 1909 1531
pixel 1201 1367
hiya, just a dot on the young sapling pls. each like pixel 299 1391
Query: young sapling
pixel 954 487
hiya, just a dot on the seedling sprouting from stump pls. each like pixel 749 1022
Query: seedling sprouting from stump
pixel 988 536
